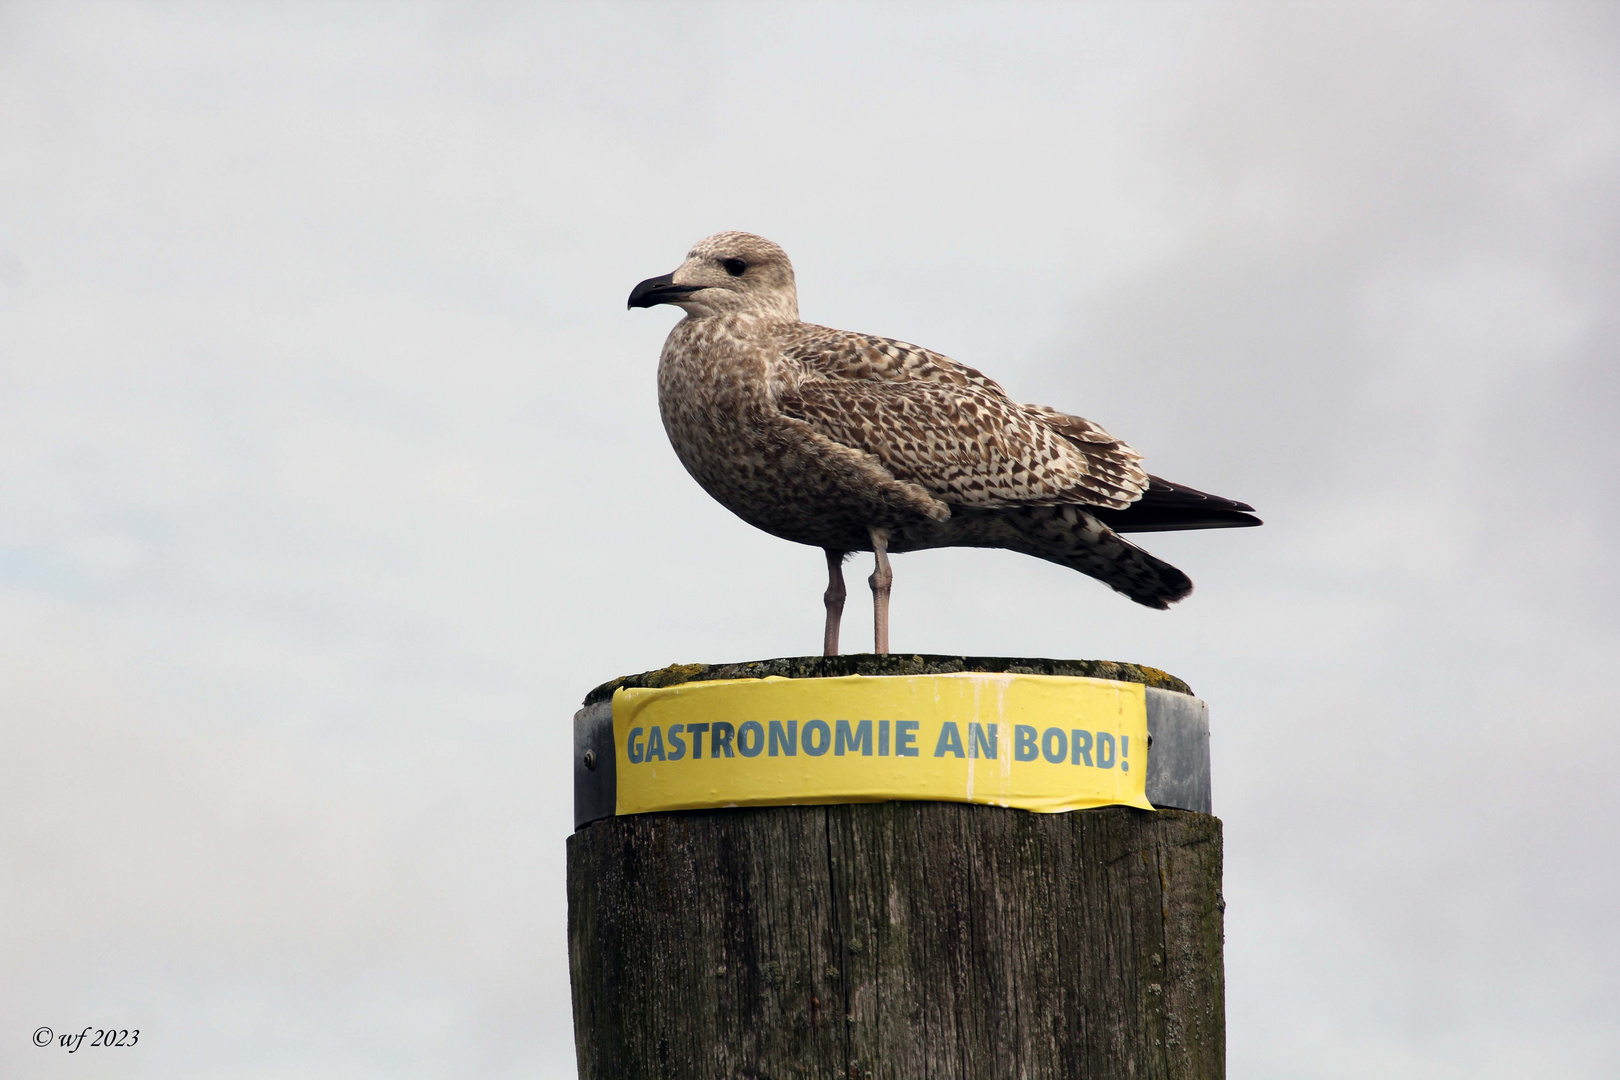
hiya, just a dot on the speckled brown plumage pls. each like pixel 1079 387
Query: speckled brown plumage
pixel 821 436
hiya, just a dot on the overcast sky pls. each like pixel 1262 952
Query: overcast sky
pixel 331 478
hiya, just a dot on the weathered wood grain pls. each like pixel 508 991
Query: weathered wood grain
pixel 902 940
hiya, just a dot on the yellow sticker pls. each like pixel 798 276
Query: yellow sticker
pixel 1039 742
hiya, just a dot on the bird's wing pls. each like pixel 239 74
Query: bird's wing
pixel 950 429
pixel 1167 507
pixel 842 354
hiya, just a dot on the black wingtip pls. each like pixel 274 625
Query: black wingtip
pixel 1167 507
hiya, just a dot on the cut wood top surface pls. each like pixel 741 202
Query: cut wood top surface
pixel 827 667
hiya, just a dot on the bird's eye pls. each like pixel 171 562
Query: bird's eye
pixel 734 267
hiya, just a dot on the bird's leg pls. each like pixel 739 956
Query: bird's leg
pixel 834 599
pixel 882 577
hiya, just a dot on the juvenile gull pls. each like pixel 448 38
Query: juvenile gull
pixel 852 442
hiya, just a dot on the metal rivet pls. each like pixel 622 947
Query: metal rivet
pixel 590 759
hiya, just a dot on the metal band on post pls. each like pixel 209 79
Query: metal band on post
pixel 1177 757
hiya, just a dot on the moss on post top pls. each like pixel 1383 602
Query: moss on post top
pixel 827 667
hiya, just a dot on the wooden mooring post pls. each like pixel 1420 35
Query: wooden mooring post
pixel 902 939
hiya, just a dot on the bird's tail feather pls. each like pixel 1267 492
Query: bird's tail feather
pixel 1068 536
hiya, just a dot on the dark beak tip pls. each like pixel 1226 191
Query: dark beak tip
pixel 657 290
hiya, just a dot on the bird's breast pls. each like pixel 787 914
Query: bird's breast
pixel 715 394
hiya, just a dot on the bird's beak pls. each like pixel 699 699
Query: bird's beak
pixel 659 290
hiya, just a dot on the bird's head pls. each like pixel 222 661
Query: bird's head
pixel 729 273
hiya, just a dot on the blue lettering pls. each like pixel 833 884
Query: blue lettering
pixel 1054 745
pixel 1081 741
pixel 749 729
pixel 1105 750
pixel 860 738
pixel 720 739
pixel 905 738
pixel 696 731
pixel 817 737
pixel 1124 752
pixel 883 738
pixel 1024 748
pixel 677 745
pixel 786 739
pixel 636 751
pixel 950 738
pixel 977 740
pixel 655 745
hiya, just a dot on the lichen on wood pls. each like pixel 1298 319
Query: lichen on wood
pixel 823 667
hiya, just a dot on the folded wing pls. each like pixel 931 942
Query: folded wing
pixel 1167 507
pixel 948 428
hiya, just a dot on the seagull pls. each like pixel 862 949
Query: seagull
pixel 851 442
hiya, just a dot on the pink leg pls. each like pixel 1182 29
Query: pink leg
pixel 834 599
pixel 882 577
